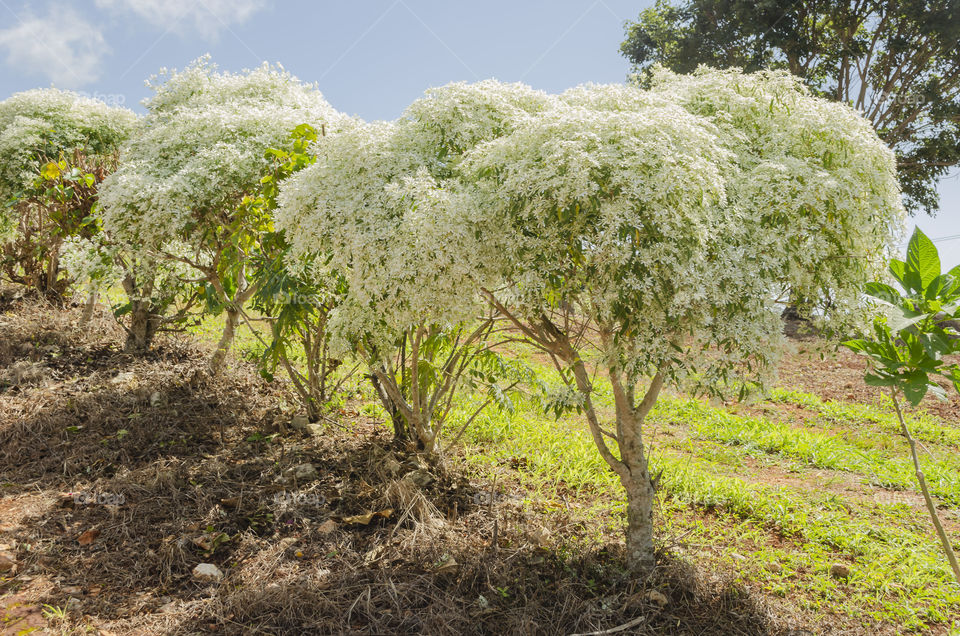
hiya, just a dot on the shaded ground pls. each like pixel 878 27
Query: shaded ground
pixel 118 476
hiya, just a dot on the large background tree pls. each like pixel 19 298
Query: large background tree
pixel 894 60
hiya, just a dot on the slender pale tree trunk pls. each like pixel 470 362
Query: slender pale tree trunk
pixel 234 306
pixel 226 339
pixel 639 532
pixel 931 506
pixel 633 467
pixel 88 308
pixel 637 482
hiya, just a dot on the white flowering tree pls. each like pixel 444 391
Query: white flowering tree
pixel 650 234
pixel 57 147
pixel 375 206
pixel 196 159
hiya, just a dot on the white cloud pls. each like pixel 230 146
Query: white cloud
pixel 208 17
pixel 61 45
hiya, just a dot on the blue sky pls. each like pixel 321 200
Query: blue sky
pixel 370 57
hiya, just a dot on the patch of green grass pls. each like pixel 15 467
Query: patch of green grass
pixel 898 575
pixel 923 426
pixel 887 468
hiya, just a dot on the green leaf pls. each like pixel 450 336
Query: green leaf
pixel 899 320
pixel 897 270
pixel 883 292
pixel 923 258
pixel 859 345
pixel 915 387
pixel 873 379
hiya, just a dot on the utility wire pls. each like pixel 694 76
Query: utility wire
pixel 939 239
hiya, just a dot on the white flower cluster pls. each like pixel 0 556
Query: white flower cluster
pixel 201 148
pixel 387 226
pixel 46 122
pixel 95 266
pixel 39 125
pixel 676 216
pixel 90 265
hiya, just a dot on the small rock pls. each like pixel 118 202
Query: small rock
pixel 123 378
pixel 738 557
pixel 656 597
pixel 483 602
pixel 391 465
pixel 299 422
pixel 207 573
pixel 539 536
pixel 7 562
pixel 155 398
pixel 305 472
pixel 416 462
pixel 839 571
pixel 374 555
pixel 420 478
pixel 448 565
pixel 774 567
pixel 327 527
pixel 73 590
pixel 316 429
pixel 73 604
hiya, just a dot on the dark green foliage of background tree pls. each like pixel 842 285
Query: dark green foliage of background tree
pixel 896 60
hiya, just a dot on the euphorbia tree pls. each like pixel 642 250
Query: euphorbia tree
pixel 200 151
pixel 57 147
pixel 381 222
pixel 909 342
pixel 661 226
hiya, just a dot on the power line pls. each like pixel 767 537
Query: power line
pixel 939 239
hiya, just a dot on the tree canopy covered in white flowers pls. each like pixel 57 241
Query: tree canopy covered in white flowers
pixel 658 228
pixel 372 205
pixel 662 226
pixel 56 147
pixel 195 160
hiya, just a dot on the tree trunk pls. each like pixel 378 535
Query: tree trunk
pixel 636 480
pixel 396 418
pixel 88 308
pixel 640 496
pixel 143 327
pixel 220 355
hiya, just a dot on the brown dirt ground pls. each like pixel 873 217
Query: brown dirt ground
pixel 838 375
pixel 200 463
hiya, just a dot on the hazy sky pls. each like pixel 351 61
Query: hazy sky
pixel 370 57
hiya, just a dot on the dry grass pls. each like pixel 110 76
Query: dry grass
pixel 200 462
